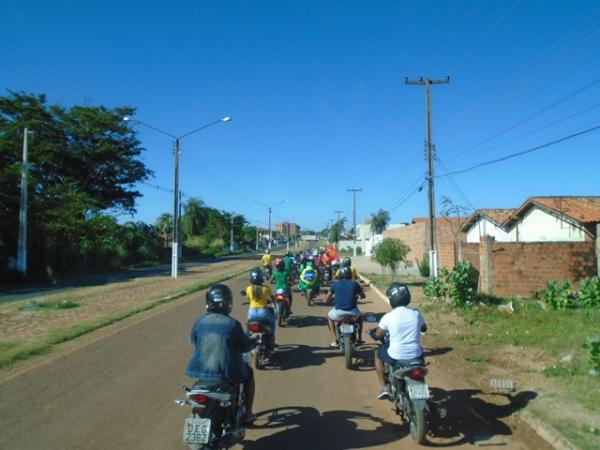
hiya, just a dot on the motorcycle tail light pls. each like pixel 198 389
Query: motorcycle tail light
pixel 417 373
pixel 200 398
pixel 280 298
pixel 255 327
pixel 348 320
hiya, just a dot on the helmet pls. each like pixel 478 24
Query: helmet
pixel 398 294
pixel 219 299
pixel 279 263
pixel 335 262
pixel 256 276
pixel 345 273
pixel 346 261
pixel 267 251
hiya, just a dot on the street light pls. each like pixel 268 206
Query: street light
pixel 177 151
pixel 270 211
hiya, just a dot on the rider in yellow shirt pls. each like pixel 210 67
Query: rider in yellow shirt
pixel 260 297
pixel 347 262
pixel 266 258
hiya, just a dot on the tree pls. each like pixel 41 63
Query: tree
pixel 83 160
pixel 390 253
pixel 194 218
pixel 335 231
pixel 164 225
pixel 380 221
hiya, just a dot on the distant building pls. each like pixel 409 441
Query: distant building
pixel 287 229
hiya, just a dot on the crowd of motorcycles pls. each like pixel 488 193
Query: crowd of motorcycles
pixel 217 412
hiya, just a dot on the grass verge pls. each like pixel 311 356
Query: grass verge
pixel 12 352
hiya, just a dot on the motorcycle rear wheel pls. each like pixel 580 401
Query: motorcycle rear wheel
pixel 348 351
pixel 258 359
pixel 418 427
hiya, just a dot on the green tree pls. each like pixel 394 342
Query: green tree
pixel 390 253
pixel 380 221
pixel 194 218
pixel 164 225
pixel 335 231
pixel 83 160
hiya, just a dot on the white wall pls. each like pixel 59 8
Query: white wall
pixel 539 226
pixel 484 227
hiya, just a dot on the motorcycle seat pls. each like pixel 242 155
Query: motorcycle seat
pixel 221 391
pixel 404 366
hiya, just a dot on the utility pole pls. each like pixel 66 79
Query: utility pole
pixel 427 83
pixel 231 235
pixel 22 239
pixel 175 243
pixel 354 191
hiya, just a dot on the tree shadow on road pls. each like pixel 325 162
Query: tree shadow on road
pixel 471 419
pixel 300 321
pixel 436 351
pixel 295 356
pixel 299 427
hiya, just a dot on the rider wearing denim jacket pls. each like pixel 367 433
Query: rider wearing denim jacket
pixel 219 341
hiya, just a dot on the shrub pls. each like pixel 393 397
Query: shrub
pixel 390 252
pixel 589 295
pixel 557 295
pixel 462 284
pixel 593 352
pixel 436 288
pixel 423 265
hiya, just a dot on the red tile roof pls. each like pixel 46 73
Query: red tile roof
pixel 496 216
pixel 581 209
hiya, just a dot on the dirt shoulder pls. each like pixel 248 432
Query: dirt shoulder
pixel 479 359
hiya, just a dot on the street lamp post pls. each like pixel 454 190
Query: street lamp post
pixel 270 208
pixel 177 151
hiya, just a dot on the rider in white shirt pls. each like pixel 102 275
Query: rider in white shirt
pixel 404 326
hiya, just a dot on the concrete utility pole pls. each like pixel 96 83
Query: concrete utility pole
pixel 354 191
pixel 175 243
pixel 231 235
pixel 22 240
pixel 432 253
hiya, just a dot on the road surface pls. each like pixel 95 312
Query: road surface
pixel 116 390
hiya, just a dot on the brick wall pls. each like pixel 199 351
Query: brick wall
pixel 416 236
pixel 523 268
pixel 469 252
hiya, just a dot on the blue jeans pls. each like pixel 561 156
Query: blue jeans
pixel 263 315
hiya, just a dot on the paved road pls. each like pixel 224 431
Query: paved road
pixel 117 392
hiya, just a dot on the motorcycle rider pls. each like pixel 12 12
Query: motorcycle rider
pixel 309 276
pixel 260 297
pixel 266 261
pixel 345 292
pixel 219 341
pixel 281 279
pixel 347 262
pixel 404 326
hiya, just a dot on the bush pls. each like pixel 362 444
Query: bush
pixel 458 286
pixel 593 352
pixel 390 252
pixel 436 288
pixel 557 295
pixel 589 296
pixel 423 265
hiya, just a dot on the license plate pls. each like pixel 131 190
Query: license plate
pixel 196 430
pixel 418 391
pixel 347 328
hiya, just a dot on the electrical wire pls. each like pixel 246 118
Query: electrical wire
pixel 460 27
pixel 520 153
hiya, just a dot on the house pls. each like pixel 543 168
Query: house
pixel 547 238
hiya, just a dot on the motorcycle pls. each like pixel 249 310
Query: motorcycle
pixel 410 395
pixel 310 294
pixel 282 307
pixel 216 420
pixel 262 333
pixel 347 336
pixel 268 271
pixel 326 274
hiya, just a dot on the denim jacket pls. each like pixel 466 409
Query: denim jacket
pixel 219 341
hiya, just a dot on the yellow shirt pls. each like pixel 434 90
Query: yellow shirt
pixel 338 274
pixel 259 302
pixel 266 259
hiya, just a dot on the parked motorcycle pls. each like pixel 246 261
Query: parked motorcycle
pixel 216 420
pixel 282 307
pixel 347 336
pixel 262 333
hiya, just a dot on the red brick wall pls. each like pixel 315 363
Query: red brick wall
pixel 470 252
pixel 416 236
pixel 523 268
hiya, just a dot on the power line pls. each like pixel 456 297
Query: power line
pixel 523 152
pixel 460 27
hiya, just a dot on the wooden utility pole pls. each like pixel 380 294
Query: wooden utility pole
pixel 427 82
pixel 354 191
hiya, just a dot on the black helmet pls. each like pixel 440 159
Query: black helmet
pixel 219 299
pixel 398 294
pixel 256 276
pixel 345 273
pixel 346 261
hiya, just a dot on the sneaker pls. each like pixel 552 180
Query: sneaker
pixel 334 345
pixel 384 392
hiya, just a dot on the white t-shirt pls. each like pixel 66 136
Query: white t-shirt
pixel 404 326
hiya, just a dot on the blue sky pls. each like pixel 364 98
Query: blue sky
pixel 317 96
